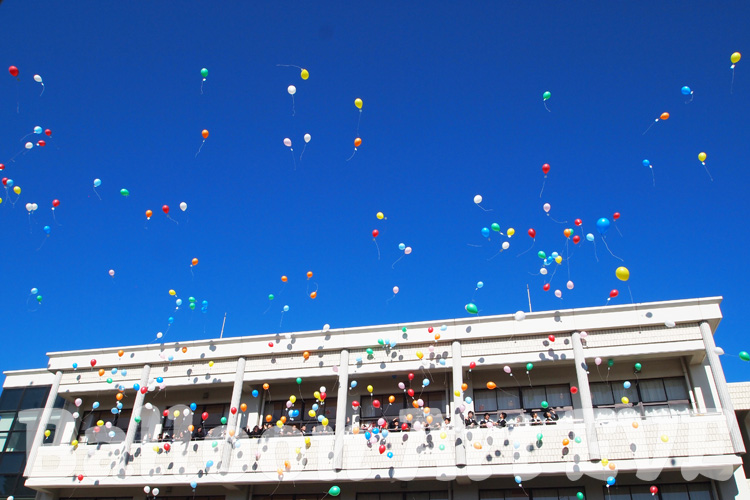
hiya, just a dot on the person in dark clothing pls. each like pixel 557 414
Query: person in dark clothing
pixel 503 419
pixel 550 417
pixel 199 434
pixel 535 420
pixel 486 421
pixel 469 420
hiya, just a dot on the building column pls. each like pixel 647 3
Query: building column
pixel 137 406
pixel 585 393
pixel 234 402
pixel 43 421
pixel 727 407
pixel 341 405
pixel 456 418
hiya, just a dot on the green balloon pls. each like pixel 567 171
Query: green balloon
pixel 38 298
pixel 270 297
pixel 192 306
pixel 579 496
pixel 204 72
pixel 299 380
pixel 610 363
pixel 124 192
pixel 495 227
pixel 542 255
pixel 137 420
pixel 442 447
pixel 380 341
pixel 369 351
pixel 529 366
pixel 223 420
pixel 539 437
pixel 638 367
pixel 578 439
pixel 744 356
pixel 471 308
pixel 109 380
pixel 545 404
pixel 191 299
pixel 547 95
pixel 334 491
pixel 403 329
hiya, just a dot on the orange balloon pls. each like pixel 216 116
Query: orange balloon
pixel 464 387
pixel 287 464
pixel 120 352
pixel 635 425
pixel 119 396
pixel 567 233
pixel 195 261
pixel 283 418
pixel 243 407
pixel 426 410
pixel 415 403
pixel 309 274
pixel 664 116
pixel 611 466
pixel 266 386
pixel 205 134
pixel 437 336
pixel 355 430
pixel 409 416
pixel 306 355
pixel 391 399
pixel 491 385
pixel 284 279
pixel 101 371
pixel 191 427
pixel 478 445
pixel 566 442
pixel 429 419
pixel 313 295
pixel 149 213
pixel 184 350
pixel 357 142
pixel 269 418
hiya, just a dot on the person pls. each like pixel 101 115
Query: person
pixel 550 417
pixel 503 419
pixel 486 422
pixel 469 421
pixel 535 420
pixel 446 423
pixel 255 433
pixel 304 430
pixel 199 433
pixel 395 426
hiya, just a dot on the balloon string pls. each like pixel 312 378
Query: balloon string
pixel 282 318
pixel 691 98
pixel 532 246
pixel 543 183
pixel 303 152
pixel 558 221
pixel 498 253
pixel 294 158
pixel 201 147
pixel 376 246
pixel 396 262
pixel 293 111
pixel 597 257
pixel 359 120
pixel 649 127
pixel 709 173
pixel 97 194
pixel 567 256
pixel 289 66
pixel 43 242
pixel 529 377
pixel 30 232
pixel 545 107
pixel 731 89
pixel 55 218
pixel 170 218
pixel 485 209
pixel 610 251
pixel 653 177
pixel 352 156
pixel 40 95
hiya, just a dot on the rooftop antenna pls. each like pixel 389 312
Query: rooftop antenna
pixel 528 294
pixel 225 322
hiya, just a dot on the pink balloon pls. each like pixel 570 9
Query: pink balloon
pixel 584 335
pixel 288 404
pixel 395 290
pixel 506 369
pixel 598 361
pixel 112 272
pixel 381 422
pixel 558 294
pixel 407 250
pixel 401 386
pixel 547 207
pixel 420 402
pixel 288 142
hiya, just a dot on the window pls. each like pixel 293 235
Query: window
pixel 686 491
pixel 215 413
pixel 12 463
pixel 288 497
pixel 34 397
pixel 389 411
pixel 535 494
pixel 422 495
pixel 10 398
pixel 527 398
pixel 646 398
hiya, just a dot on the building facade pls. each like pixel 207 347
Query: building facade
pixel 623 402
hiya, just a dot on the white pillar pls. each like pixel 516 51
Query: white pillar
pixel 234 402
pixel 456 418
pixel 584 391
pixel 43 421
pixel 341 406
pixel 137 406
pixel 721 387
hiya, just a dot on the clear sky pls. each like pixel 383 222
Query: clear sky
pixel 453 107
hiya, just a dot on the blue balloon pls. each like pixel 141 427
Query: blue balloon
pixel 204 303
pixel 114 370
pixel 37 129
pixel 468 400
pixel 124 373
pixel 255 393
pixel 193 484
pixel 47 229
pixel 159 380
pixel 480 284
pixel 686 90
pixel 136 387
pixel 286 308
pixel 353 384
pixel 97 183
pixel 401 246
pixel 95 405
pixel 114 411
pixel 485 232
pixel 315 407
pixel 75 366
pixel 610 480
pixel 626 384
pixel 602 225
pixel 209 463
pixel 389 454
pixel 426 382
pixel 443 328
pixel 442 361
pixel 119 405
pixel 170 320
pixel 178 302
pixel 518 479
pixel 320 418
pixel 193 406
pixel 368 435
pixel 171 358
pixel 9 183
pixel 34 291
pixel 590 237
pixel 359 359
pixel 516 444
pixel 375 430
pixel 393 344
pixel 554 255
pixel 646 163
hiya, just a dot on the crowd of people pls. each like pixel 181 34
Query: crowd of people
pixel 549 417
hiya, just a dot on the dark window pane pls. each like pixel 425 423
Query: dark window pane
pixel 7 485
pixel 601 394
pixel 12 463
pixel 700 491
pixel 652 391
pixel 16 442
pixel 485 400
pixel 559 395
pixel 22 492
pixel 6 421
pixel 10 398
pixel 34 397
pixel 674 492
pixel 676 389
pixel 59 402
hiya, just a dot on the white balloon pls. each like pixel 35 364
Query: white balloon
pixel 506 245
pixel 584 335
pixel 159 335
pixel 147 489
pixel 29 145
pixel 307 137
pixel 323 388
pixel 570 285
pixel 543 271
pixel 547 207
pixel 478 199
pixel 288 142
pixel 37 78
pixel 34 206
pixel 520 315
pixel 669 324
pixel 407 250
pixel 29 207
pixel 292 90
pixel 183 206
pixel 558 294
pixel 148 406
pixel 155 491
pixel 326 327
pixel 719 351
pixel 76 414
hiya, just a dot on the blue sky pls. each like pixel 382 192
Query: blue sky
pixel 452 108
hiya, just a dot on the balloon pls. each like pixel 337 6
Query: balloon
pixel 304 74
pixel 574 390
pixel 613 294
pixel 546 95
pixel 744 356
pixel 622 273
pixel 576 239
pixel 124 192
pixel 165 209
pixel 625 400
pixel 519 316
pixel 570 285
pixel 506 245
pixel 590 237
pixel 183 206
pixel 479 285
pixel 654 490
pixel 685 90
pixel 37 129
pixel 702 156
pixel 478 199
pixel 16 189
pixel 598 361
pixel 358 103
pixel 735 58
pixel 48 132
pixel 309 274
pixel 558 294
pixel 518 479
pixel 471 308
pixel 547 207
pixel 529 366
pixel 370 389
pixel 380 215
pixel 147 489
pixel 286 308
pixel 664 116
pixel 638 367
pixel 291 89
pixel 610 481
pixel 307 138
pixel 193 484
pixel 204 133
pixel 602 225
pixel 95 405
pixel 14 71
pixel 97 182
pixel 491 385
pixel 204 72
pixel 334 491
pixel 395 290
pixel 357 142
pixel 532 233
pixel 149 213
pixel 194 262
pixel 485 232
pixel 407 250
pixel 375 233
pixel 541 255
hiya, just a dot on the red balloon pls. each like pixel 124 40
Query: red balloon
pixel 93 362
pixel 551 338
pixel 574 390
pixel 404 426
pixel 270 344
pixel 410 392
pixel 472 365
pixel 55 203
pixel 322 396
pixel 532 233
pixel 144 390
pixel 576 239
pixel 204 415
pixel 41 143
pixel 80 476
pixel 2 167
pixel 382 449
pixel 654 490
pixel 375 233
pixel 430 330
pixel 616 215
pixel 165 209
pixel 355 404
pixel 48 132
pixel 545 168
pixel 411 376
pixel 546 287
pixel 5 181
pixel 578 222
pixel 13 71
pixel 376 403
pixel 167 446
pixel 165 413
pixel 233 410
pixel 613 294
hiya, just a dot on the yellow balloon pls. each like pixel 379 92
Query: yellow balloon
pixel 558 259
pixel 307 441
pixel 298 450
pixel 358 102
pixel 735 58
pixel 99 423
pixel 510 232
pixel 622 273
pixel 293 398
pixel 311 413
pixel 316 394
pixel 605 462
pixel 172 292
pixel 420 355
pixel 443 435
pixel 1 200
pixel 279 423
pixel 176 413
pixel 210 363
pixel 74 442
pixel 380 215
pixel 664 437
pixel 370 389
pixel 702 156
pixel 304 74
pixel 156 449
pixel 17 190
pixel 457 393
pixel 324 422
pixel 625 400
pixel 47 433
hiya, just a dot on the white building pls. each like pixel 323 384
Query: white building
pixel 638 395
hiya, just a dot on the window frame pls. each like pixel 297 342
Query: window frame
pixel 640 406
